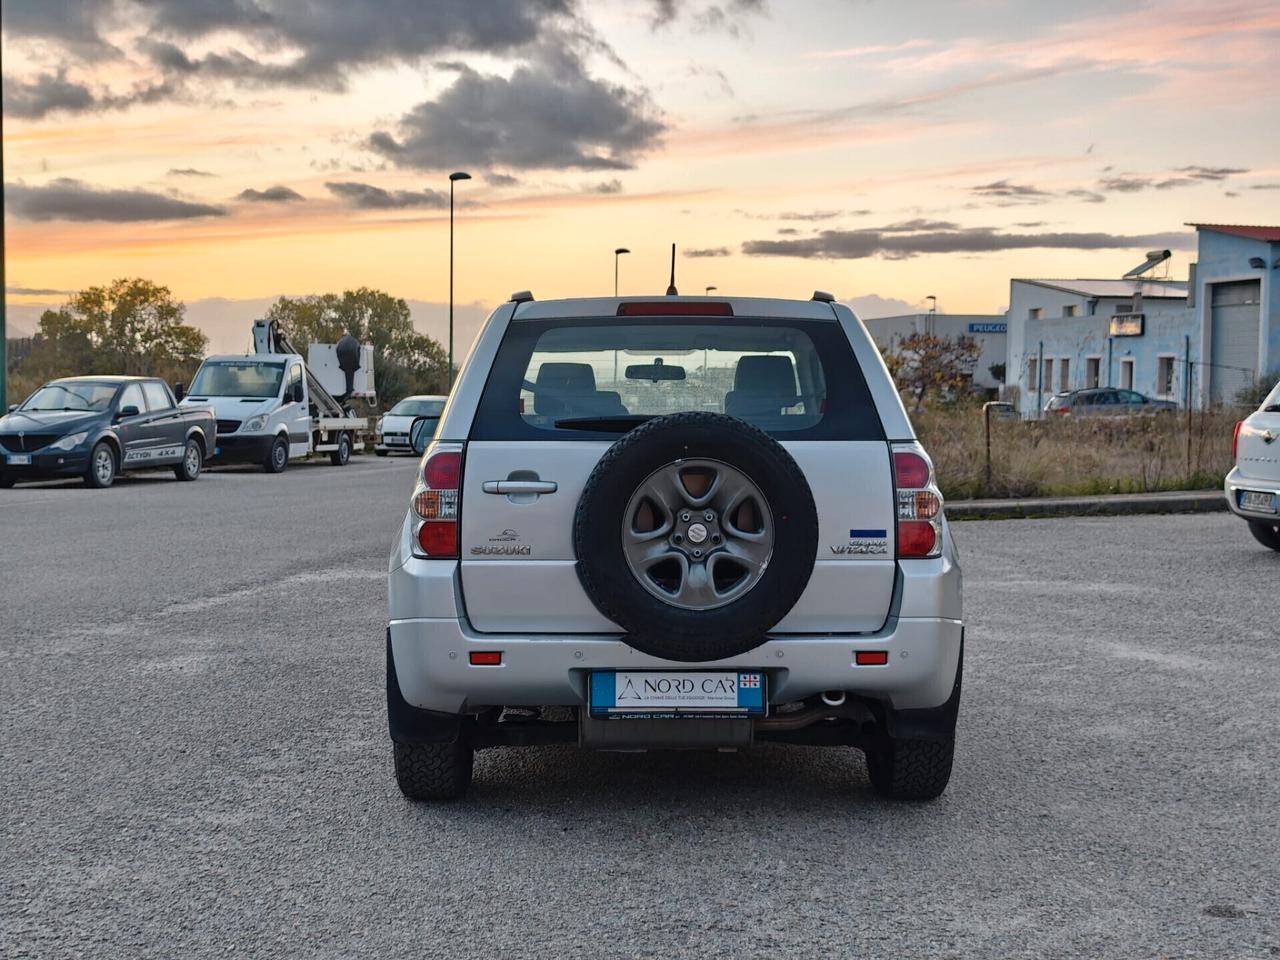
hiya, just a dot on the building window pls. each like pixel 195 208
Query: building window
pixel 1164 376
pixel 1069 310
pixel 1048 373
pixel 1032 367
pixel 1126 374
pixel 1064 375
pixel 1033 313
pixel 1092 372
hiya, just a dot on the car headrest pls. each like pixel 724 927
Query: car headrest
pixel 765 375
pixel 566 378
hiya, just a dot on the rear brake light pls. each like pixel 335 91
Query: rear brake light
pixel 918 503
pixel 436 501
pixel 674 308
pixel 910 469
pixel 1235 439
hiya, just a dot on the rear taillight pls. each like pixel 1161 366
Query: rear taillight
pixel 918 502
pixel 436 502
pixel 1235 439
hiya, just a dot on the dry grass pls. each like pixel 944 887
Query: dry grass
pixel 1064 456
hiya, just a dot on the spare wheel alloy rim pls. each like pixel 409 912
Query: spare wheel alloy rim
pixel 697 534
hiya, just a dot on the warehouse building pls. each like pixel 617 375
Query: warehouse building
pixel 988 330
pixel 1200 340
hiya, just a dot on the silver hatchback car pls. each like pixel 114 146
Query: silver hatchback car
pixel 674 523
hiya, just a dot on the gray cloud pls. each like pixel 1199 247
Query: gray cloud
pixel 858 244
pixel 276 194
pixel 66 199
pixel 729 16
pixel 36 292
pixel 47 93
pixel 606 186
pixel 188 172
pixel 699 253
pixel 501 179
pixel 1125 184
pixel 548 115
pixel 1014 192
pixel 915 226
pixel 366 196
pixel 1211 173
pixel 1265 186
pixel 1088 196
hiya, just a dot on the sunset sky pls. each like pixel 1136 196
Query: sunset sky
pixel 244 149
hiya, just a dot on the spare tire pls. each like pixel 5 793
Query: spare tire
pixel 696 533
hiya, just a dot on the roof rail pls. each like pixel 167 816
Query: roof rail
pixel 522 296
pixel 822 297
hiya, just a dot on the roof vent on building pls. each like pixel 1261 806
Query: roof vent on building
pixel 1154 259
pixel 822 297
pixel 522 296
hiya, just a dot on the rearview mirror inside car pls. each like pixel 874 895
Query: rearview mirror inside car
pixel 654 371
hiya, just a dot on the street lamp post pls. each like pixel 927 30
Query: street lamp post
pixel 617 253
pixel 707 292
pixel 933 312
pixel 453 178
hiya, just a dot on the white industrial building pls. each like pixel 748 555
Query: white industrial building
pixel 988 330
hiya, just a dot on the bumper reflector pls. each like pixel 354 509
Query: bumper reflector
pixel 486 658
pixel 871 658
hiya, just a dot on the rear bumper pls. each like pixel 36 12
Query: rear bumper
pixel 248 449
pixel 435 673
pixel 1237 482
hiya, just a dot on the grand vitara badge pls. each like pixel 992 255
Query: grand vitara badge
pixel 863 542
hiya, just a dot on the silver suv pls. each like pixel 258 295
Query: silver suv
pixel 674 523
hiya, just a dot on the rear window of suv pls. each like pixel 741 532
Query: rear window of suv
pixel 586 379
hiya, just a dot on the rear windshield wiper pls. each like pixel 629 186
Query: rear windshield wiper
pixel 605 424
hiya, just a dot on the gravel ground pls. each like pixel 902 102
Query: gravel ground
pixel 195 761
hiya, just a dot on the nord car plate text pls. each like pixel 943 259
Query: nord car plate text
pixel 677 693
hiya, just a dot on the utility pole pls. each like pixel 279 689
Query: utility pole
pixel 453 178
pixel 1040 382
pixel 616 254
pixel 1186 389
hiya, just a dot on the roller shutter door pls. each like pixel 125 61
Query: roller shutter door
pixel 1235 311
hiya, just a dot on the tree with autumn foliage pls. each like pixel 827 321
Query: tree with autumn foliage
pixel 924 366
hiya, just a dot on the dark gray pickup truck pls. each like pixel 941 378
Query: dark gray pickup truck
pixel 95 427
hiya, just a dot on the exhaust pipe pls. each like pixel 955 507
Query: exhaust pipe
pixel 833 698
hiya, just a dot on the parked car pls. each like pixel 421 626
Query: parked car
pixel 591 556
pixel 392 433
pixel 1253 485
pixel 1106 402
pixel 96 427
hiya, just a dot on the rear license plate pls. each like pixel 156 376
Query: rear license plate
pixel 677 693
pixel 18 459
pixel 1257 501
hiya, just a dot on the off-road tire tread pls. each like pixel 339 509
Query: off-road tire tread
pixel 690 643
pixel 1267 534
pixel 434 771
pixel 911 769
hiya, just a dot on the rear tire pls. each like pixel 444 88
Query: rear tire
pixel 101 472
pixel 340 456
pixel 277 457
pixel 192 462
pixel 6 481
pixel 915 770
pixel 434 771
pixel 1267 534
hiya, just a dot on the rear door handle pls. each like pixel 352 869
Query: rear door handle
pixel 519 486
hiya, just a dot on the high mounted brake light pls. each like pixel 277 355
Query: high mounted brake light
pixel 666 308
pixel 436 502
pixel 918 503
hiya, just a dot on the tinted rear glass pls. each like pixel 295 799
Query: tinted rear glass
pixel 566 379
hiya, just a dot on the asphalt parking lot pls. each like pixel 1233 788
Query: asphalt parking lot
pixel 195 759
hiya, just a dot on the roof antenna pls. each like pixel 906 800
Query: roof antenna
pixel 671 287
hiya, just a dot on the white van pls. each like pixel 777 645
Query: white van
pixel 265 412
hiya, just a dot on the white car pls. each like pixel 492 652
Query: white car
pixel 674 523
pixel 391 435
pixel 1253 485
